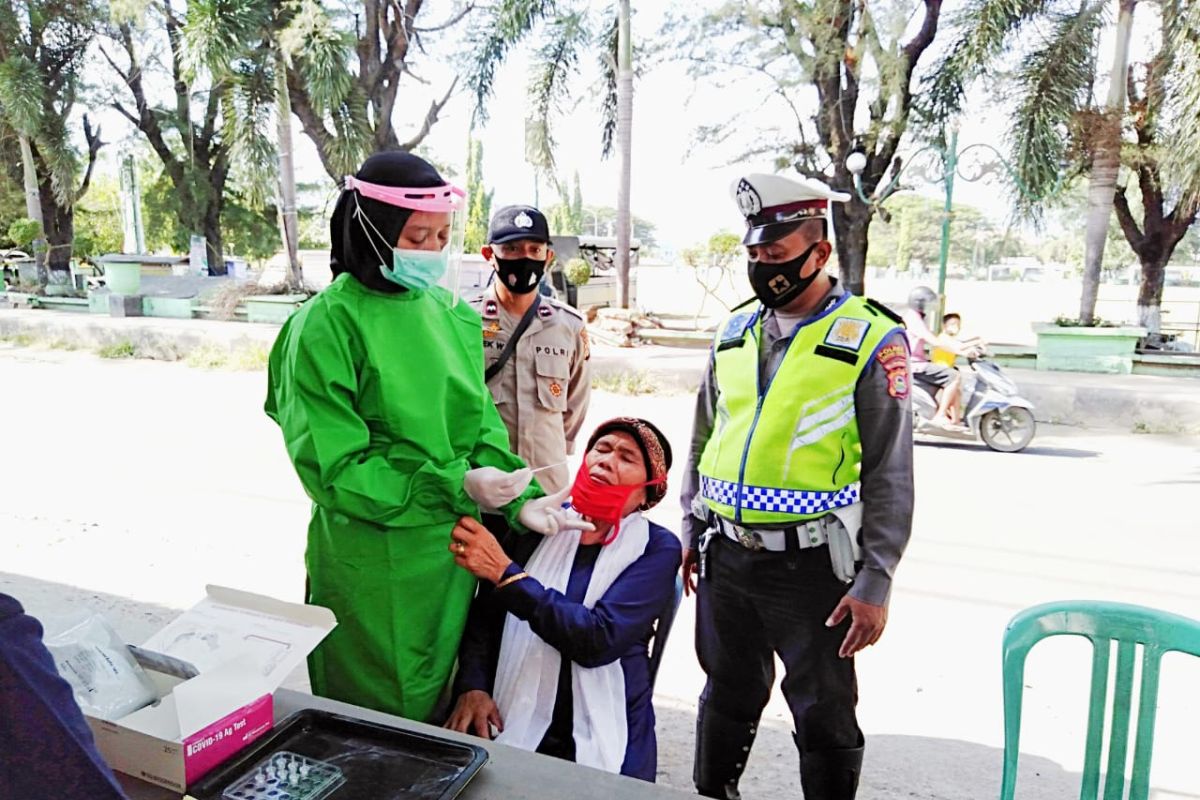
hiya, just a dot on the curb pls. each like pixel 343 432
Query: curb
pixel 1134 403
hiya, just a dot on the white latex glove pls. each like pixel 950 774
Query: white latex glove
pixel 491 488
pixel 546 516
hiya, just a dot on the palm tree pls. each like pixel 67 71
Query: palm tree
pixel 21 101
pixel 42 51
pixel 624 142
pixel 247 48
pixel 347 112
pixel 565 33
pixel 1056 120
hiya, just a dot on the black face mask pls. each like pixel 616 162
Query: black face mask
pixel 776 285
pixel 520 275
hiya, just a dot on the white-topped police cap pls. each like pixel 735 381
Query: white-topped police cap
pixel 774 206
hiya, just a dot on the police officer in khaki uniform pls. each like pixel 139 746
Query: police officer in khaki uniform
pixel 798 495
pixel 535 348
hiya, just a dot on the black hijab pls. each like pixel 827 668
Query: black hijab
pixel 358 251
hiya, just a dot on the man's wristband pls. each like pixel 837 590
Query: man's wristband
pixel 512 579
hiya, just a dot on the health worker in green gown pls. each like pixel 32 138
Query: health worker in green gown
pixel 377 385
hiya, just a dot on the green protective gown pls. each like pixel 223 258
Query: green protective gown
pixel 383 407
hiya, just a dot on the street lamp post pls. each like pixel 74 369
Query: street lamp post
pixel 950 157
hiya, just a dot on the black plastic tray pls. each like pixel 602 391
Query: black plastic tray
pixel 378 762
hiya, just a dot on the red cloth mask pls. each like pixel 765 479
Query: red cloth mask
pixel 603 502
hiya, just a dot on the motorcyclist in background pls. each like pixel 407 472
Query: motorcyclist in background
pixel 943 381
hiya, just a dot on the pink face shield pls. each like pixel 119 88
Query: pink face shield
pixel 445 198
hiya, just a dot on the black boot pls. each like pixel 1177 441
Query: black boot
pixel 722 747
pixel 830 774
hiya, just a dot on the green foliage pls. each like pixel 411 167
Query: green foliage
pixel 982 31
pixel 914 234
pixel 602 221
pixel 1065 211
pixel 1053 82
pixel 904 240
pixel 479 201
pixel 23 231
pixel 43 47
pixel 566 218
pixel 565 32
pixel 1064 321
pixel 123 349
pixel 507 23
pixel 22 98
pixel 578 271
pixel 247 231
pixel 1183 149
pixel 98 228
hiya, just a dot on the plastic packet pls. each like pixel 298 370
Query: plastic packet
pixel 107 682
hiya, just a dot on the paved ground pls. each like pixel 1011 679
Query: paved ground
pixel 132 484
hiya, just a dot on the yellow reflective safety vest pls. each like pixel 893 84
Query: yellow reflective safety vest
pixel 790 451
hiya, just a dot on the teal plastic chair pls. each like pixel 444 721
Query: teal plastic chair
pixel 1102 623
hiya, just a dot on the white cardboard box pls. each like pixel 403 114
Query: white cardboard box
pixel 243 645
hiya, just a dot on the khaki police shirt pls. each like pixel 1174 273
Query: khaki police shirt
pixel 542 392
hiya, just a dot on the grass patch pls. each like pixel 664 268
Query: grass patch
pixel 626 382
pixel 251 359
pixel 62 344
pixel 247 359
pixel 118 350
pixel 18 340
pixel 207 357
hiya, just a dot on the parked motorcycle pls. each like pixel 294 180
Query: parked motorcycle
pixel 993 410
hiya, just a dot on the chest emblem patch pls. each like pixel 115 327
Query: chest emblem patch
pixel 847 332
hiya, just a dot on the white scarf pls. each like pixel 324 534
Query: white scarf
pixel 527 672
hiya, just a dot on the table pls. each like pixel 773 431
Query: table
pixel 510 774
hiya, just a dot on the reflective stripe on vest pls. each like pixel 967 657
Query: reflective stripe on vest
pixel 790 451
pixel 786 501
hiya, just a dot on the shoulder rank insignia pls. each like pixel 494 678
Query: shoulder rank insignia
pixel 491 310
pixel 847 332
pixel 545 312
pixel 736 326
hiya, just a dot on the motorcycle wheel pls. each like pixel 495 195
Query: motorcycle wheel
pixel 1008 430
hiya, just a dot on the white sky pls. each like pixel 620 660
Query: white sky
pixel 684 193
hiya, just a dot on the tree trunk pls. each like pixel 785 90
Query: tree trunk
pixel 624 142
pixel 1149 303
pixel 59 228
pixel 212 235
pixel 288 222
pixel 1106 160
pixel 851 221
pixel 33 206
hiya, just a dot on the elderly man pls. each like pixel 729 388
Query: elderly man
pixel 797 496
pixel 555 653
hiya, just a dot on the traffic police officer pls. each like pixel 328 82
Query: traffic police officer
pixel 798 495
pixel 535 348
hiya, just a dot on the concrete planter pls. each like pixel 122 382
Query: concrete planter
pixel 170 307
pixel 123 277
pixel 1077 349
pixel 274 308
